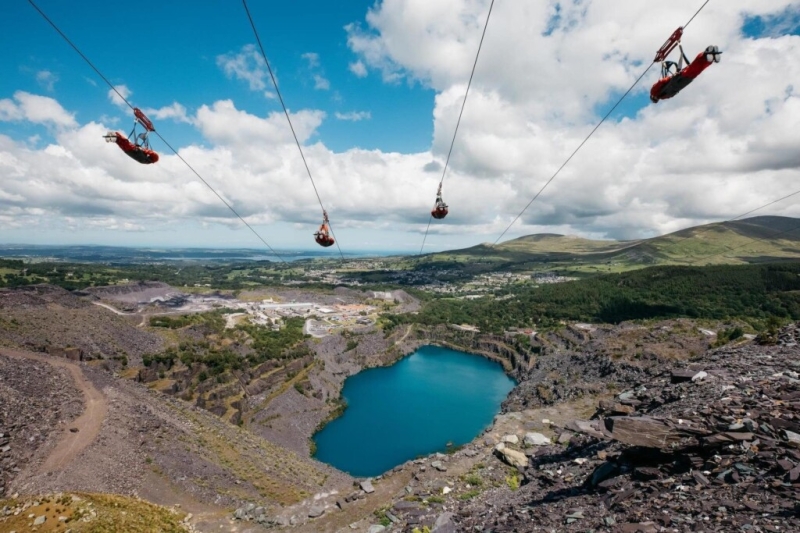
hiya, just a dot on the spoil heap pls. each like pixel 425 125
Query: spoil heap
pixel 710 446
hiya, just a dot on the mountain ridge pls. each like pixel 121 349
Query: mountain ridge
pixel 751 240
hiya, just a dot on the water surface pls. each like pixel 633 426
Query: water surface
pixel 416 407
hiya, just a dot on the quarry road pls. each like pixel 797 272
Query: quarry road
pixel 71 443
pixel 145 316
pixel 115 311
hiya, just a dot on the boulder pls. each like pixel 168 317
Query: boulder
pixel 641 431
pixel 316 511
pixel 510 456
pixel 439 466
pixel 510 439
pixel 367 487
pixel 376 529
pixel 616 408
pixel 687 374
pixel 444 524
pixel 536 439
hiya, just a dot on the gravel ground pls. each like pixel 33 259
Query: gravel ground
pixel 37 401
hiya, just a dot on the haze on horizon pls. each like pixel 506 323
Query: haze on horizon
pixel 374 90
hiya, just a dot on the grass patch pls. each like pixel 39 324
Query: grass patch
pixel 468 495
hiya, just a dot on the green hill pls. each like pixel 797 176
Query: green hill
pixel 753 240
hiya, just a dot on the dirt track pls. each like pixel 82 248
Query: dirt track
pixel 88 424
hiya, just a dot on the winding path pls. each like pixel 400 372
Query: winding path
pixel 88 424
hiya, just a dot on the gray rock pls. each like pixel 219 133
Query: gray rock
pixel 510 439
pixel 367 487
pixel 627 395
pixel 444 524
pixel 376 529
pixel 510 456
pixel 316 511
pixel 601 473
pixel 39 520
pixel 792 437
pixel 239 514
pixel 439 466
pixel 565 437
pixel 535 439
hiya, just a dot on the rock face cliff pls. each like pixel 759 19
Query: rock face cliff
pixel 707 444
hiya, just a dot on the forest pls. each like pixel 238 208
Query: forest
pixel 750 292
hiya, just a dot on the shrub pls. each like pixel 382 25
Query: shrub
pixel 512 481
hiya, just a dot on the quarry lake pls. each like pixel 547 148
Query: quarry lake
pixel 418 406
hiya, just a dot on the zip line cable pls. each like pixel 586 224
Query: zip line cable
pixel 458 122
pixel 289 120
pixel 589 136
pixel 113 88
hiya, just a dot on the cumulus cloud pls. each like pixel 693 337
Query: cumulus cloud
pixel 175 112
pixel 36 109
pixel 354 116
pixel 709 154
pixel 246 65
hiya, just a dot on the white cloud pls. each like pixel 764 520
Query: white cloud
pixel 354 116
pixel 36 109
pixel 46 79
pixel 119 94
pixel 312 58
pixel 321 83
pixel 246 65
pixel 176 112
pixel 726 144
pixel 222 123
pixel 358 68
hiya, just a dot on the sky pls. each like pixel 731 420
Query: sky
pixel 374 89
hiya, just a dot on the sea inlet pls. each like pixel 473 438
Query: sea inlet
pixel 428 402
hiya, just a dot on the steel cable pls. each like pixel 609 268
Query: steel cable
pixel 458 122
pixel 289 120
pixel 113 88
pixel 588 136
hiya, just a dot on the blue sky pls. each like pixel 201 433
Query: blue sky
pixel 377 86
pixel 172 57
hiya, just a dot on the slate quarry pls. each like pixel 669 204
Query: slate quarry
pixel 710 445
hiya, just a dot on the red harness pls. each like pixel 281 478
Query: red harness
pixel 142 155
pixel 669 86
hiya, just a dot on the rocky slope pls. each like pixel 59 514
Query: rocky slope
pixel 707 445
pixel 42 317
pixel 37 401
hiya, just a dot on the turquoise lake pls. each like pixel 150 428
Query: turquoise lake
pixel 416 407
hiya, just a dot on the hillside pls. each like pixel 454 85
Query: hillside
pixel 754 293
pixel 753 240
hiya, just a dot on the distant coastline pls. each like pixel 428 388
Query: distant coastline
pixel 117 254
